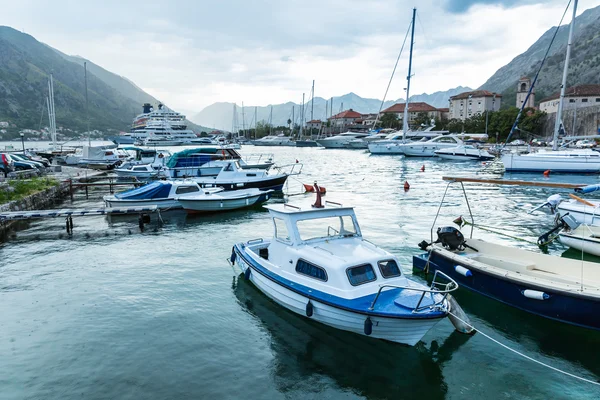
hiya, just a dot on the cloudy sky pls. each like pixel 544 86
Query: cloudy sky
pixel 191 53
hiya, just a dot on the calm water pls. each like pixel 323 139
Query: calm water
pixel 115 313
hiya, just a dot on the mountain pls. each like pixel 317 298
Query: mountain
pixel 221 114
pixel 25 65
pixel 584 65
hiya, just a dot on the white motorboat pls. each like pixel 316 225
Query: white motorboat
pixel 232 176
pixel 159 193
pixel 307 269
pixel 213 201
pixel 565 161
pixel 162 141
pixel 464 152
pixel 363 143
pixel 340 141
pixel 388 145
pixel 145 171
pixel 273 141
pixel 585 238
pixel 427 148
pixel 99 157
pixel 587 212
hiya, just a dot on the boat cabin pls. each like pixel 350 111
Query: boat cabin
pixel 323 248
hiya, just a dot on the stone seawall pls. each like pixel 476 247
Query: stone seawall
pixel 587 122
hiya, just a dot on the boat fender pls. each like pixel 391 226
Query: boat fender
pixel 463 271
pixel 233 256
pixel 368 326
pixel 309 309
pixel 247 273
pixel 458 317
pixel 535 294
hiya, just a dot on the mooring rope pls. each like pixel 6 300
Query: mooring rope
pixel 525 355
pixel 493 230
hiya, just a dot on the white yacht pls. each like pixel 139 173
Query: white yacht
pixel 340 141
pixel 161 127
pixel 464 152
pixel 388 145
pixel 427 148
pixel 363 143
pixel 273 141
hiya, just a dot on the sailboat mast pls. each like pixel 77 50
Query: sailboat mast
pixel 51 114
pixel 293 120
pixel 312 100
pixel 564 81
pixel 301 117
pixel 255 121
pixel 412 41
pixel 271 121
pixel 243 121
pixel 87 110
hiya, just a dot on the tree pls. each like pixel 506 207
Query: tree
pixel 390 120
pixel 421 119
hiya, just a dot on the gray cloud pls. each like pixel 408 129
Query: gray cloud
pixel 460 6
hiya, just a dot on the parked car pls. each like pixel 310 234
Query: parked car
pixel 18 164
pixel 21 157
pixel 585 144
pixel 6 165
pixel 35 157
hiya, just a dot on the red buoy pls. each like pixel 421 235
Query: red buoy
pixel 406 186
pixel 547 172
pixel 423 168
pixel 318 203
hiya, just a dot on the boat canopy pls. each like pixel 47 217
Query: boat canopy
pixel 199 156
pixel 154 190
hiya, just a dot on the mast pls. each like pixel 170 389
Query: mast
pixel 293 121
pixel 255 121
pixel 564 82
pixel 87 110
pixel 312 100
pixel 412 41
pixel 271 121
pixel 243 121
pixel 51 115
pixel 301 117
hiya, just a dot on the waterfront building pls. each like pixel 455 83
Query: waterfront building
pixel 315 123
pixel 348 117
pixel 575 97
pixel 469 104
pixel 414 109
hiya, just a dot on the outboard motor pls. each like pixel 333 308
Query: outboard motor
pixel 451 238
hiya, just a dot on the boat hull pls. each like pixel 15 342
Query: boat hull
pixel 333 144
pixel 376 148
pixel 276 183
pixel 587 244
pixel 582 213
pixel 562 164
pixel 210 205
pixel 162 204
pixel 570 308
pixel 306 143
pixel 399 330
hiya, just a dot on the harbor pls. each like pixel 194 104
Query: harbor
pixel 161 303
pixel 442 245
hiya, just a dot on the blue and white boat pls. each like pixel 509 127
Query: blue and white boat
pixel 319 266
pixel 159 193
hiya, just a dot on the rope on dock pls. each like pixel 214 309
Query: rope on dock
pixel 525 355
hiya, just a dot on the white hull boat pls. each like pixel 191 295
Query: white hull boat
pixel 464 153
pixel 340 141
pixel 273 141
pixel 305 269
pixel 159 193
pixel 585 238
pixel 139 171
pixel 214 201
pixel 162 142
pixel 429 147
pixel 386 148
pixel 565 161
pixel 583 213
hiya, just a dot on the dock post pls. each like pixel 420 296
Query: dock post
pixel 71 188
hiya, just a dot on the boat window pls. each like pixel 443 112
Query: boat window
pixel 389 268
pixel 187 189
pixel 361 274
pixel 339 226
pixel 139 168
pixel 306 268
pixel 281 231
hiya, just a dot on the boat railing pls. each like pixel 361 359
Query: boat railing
pixel 290 169
pixel 259 157
pixel 436 287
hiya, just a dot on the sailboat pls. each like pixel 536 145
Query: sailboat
pixel 566 161
pixel 396 147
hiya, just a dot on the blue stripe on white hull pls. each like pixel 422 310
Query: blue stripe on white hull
pixel 406 331
pixel 161 204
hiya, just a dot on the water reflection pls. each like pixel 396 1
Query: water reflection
pixel 305 350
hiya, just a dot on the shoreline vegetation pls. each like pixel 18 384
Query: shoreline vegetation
pixel 18 189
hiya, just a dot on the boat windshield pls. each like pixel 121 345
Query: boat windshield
pixel 327 227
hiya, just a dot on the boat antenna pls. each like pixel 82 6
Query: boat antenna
pixel 412 42
pixel 391 77
pixel 514 127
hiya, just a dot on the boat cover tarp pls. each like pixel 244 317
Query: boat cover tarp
pixel 154 190
pixel 191 157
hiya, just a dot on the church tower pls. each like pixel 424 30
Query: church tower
pixel 522 89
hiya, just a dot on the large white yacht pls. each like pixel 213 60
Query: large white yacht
pixel 427 148
pixel 340 141
pixel 272 140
